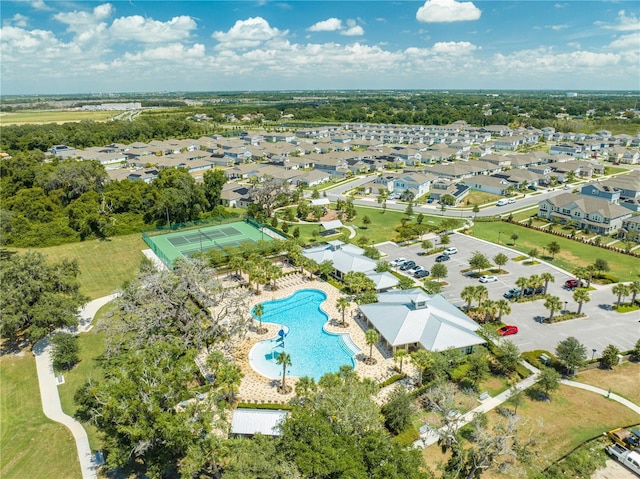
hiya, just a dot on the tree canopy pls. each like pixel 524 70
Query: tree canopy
pixel 37 296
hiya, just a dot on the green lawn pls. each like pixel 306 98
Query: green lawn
pixel 22 117
pixel 572 253
pixel 104 265
pixel 32 445
pixel 92 346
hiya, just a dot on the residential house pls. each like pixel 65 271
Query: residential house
pixel 630 229
pixel 588 213
pixel 488 184
pixel 416 183
pixel 600 190
pixel 413 319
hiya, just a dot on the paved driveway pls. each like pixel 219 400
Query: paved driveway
pixel 600 328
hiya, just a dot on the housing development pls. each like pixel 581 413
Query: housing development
pixel 438 272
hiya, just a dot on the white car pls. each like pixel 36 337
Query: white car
pixel 488 279
pixel 511 200
pixel 398 261
pixel 502 202
pixel 450 251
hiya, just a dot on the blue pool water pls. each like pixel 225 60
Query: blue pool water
pixel 313 351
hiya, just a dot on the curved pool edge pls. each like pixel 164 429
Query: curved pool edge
pixel 345 344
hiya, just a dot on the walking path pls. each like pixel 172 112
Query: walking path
pixel 429 436
pixel 49 388
pixel 602 392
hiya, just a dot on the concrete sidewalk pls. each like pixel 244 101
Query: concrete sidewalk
pixel 603 392
pixel 431 437
pixel 49 387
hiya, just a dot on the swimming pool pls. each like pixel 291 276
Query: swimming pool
pixel 313 351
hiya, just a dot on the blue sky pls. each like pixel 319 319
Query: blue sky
pixel 101 47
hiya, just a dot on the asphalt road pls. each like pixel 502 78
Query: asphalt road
pixel 599 328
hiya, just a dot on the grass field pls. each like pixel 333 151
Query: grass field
pixel 54 116
pixel 570 418
pixel 571 255
pixel 32 445
pixel 479 198
pixel 623 380
pixel 92 347
pixel 104 265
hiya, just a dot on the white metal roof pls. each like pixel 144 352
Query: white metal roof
pixel 257 421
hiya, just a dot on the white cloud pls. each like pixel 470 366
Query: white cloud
pixel 626 23
pixel 454 48
pixel 248 33
pixel 557 28
pixel 147 30
pixel 79 21
pixel 17 20
pixel 328 25
pixel 434 11
pixel 40 5
pixel 168 53
pixel 354 31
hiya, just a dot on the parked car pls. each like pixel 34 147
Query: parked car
pixel 573 283
pixel 488 279
pixel 423 273
pixel 450 251
pixel 416 268
pixel 430 200
pixel 513 293
pixel 398 261
pixel 508 330
pixel 532 188
pixel 531 291
pixel 442 257
pixel 406 265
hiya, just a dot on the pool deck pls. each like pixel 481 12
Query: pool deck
pixel 257 388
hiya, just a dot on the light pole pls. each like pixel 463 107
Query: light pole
pixel 593 353
pixel 565 306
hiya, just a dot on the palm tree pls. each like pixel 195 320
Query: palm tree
pixel 535 281
pixel 522 283
pixel 421 359
pixel 634 289
pixel 553 304
pixel 230 375
pixel 621 290
pixel 547 278
pixel 342 304
pixel 258 312
pixel 503 307
pixel 480 294
pixel 589 272
pixel 235 265
pixel 372 337
pixel 581 272
pixel 489 308
pixel 283 359
pixel 580 296
pixel 399 355
pixel 468 294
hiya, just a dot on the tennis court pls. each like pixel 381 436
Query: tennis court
pixel 187 242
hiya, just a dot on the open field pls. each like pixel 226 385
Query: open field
pixel 623 380
pixel 571 255
pixel 53 116
pixel 561 424
pixel 32 445
pixel 104 265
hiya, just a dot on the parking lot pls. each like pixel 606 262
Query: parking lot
pixel 600 328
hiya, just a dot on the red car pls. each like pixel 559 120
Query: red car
pixel 507 330
pixel 573 283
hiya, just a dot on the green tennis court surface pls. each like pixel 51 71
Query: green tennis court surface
pixel 187 242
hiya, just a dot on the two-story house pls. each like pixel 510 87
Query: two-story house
pixel 586 212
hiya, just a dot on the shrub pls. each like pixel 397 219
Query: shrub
pixel 391 380
pixel 459 373
pixel 65 351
